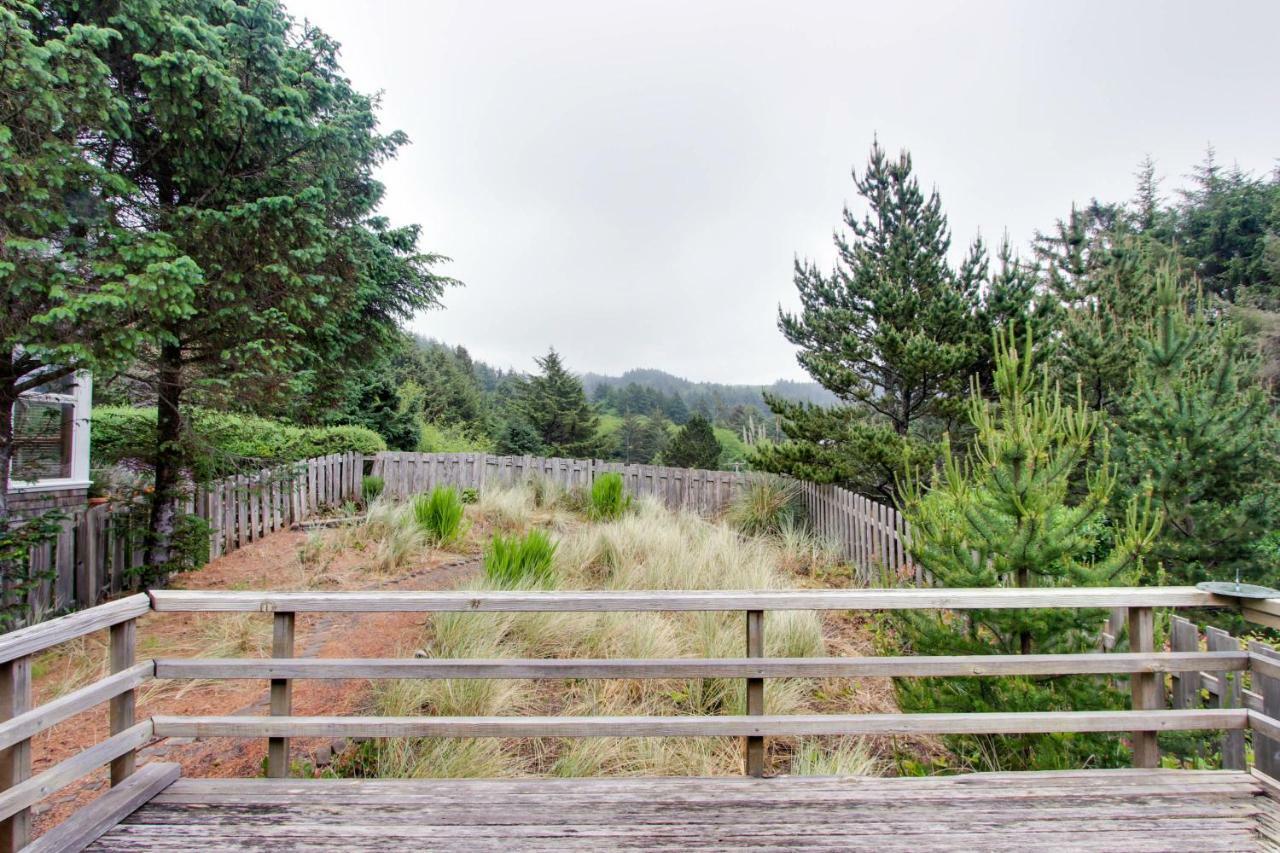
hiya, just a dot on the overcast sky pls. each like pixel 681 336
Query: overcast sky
pixel 629 182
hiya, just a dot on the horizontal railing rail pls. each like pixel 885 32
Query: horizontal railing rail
pixel 197 601
pixel 1145 668
pixel 922 666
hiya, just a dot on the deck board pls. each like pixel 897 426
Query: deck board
pixel 1086 810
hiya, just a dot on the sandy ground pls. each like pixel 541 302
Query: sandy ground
pixel 271 563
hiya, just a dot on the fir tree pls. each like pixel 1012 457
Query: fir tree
pixel 554 404
pixel 1197 427
pixel 641 439
pixel 1006 516
pixel 893 331
pixel 695 446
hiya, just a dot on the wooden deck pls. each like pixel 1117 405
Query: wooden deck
pixel 1123 810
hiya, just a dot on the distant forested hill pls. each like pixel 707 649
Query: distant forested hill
pixel 708 396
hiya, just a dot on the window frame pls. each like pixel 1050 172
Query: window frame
pixel 81 399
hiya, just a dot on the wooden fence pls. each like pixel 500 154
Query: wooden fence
pixel 100 551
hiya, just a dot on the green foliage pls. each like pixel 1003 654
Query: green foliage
pixel 1196 428
pixel 518 437
pixel 695 446
pixel 766 505
pixel 439 514
pixel 16 542
pixel 219 443
pixel 378 408
pixel 518 562
pixel 639 439
pixel 894 332
pixel 470 495
pixel 371 487
pixel 1009 515
pixel 450 438
pixel 554 405
pixel 609 498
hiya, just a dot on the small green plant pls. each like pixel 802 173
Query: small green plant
pixel 371 487
pixel 520 561
pixel 609 498
pixel 470 495
pixel 766 505
pixel 439 514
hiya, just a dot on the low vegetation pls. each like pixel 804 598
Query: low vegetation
pixel 647 548
pixel 609 498
pixel 513 562
pixel 439 515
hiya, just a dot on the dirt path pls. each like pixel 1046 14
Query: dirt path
pixel 272 563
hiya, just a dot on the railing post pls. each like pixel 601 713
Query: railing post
pixel 1230 695
pixel 1145 689
pixel 123 642
pixel 1266 752
pixel 755 692
pixel 281 696
pixel 15 762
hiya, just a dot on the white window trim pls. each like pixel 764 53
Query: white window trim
pixel 82 400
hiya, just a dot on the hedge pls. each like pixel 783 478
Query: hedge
pixel 219 443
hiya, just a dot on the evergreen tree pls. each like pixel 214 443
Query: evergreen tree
pixel 252 159
pixel 377 405
pixel 517 437
pixel 1006 516
pixel 641 439
pixel 893 331
pixel 554 404
pixel 1197 429
pixel 695 446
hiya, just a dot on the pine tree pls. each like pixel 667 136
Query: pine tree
pixel 1006 516
pixel 893 331
pixel 641 439
pixel 1197 429
pixel 555 405
pixel 695 446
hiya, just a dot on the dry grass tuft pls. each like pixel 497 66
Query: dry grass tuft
pixel 650 548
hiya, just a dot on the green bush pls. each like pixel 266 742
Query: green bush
pixel 520 561
pixel 220 443
pixel 767 504
pixel 370 488
pixel 439 514
pixel 609 498
pixel 470 495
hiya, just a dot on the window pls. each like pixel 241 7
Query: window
pixel 51 435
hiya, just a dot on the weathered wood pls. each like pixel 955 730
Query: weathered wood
pixel 122 644
pixel 1058 811
pixel 737 726
pixel 751 668
pixel 1184 637
pixel 32 722
pixel 15 760
pixel 281 695
pixel 1228 695
pixel 754 754
pixel 37 638
pixel 32 790
pixel 628 601
pixel 90 822
pixel 1266 750
pixel 1147 693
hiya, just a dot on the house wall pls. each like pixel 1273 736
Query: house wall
pixel 26 503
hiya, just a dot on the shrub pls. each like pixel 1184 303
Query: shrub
pixel 470 495
pixel 371 487
pixel 519 561
pixel 766 505
pixel 219 443
pixel 609 498
pixel 439 514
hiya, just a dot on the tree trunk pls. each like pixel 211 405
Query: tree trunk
pixel 168 458
pixel 8 398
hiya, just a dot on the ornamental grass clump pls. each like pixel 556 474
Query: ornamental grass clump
pixel 439 514
pixel 609 498
pixel 766 505
pixel 520 561
pixel 371 488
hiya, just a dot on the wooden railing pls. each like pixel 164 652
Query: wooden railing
pixel 1145 668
